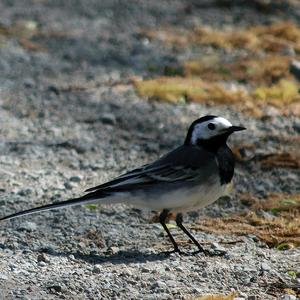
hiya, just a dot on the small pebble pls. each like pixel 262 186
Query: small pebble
pixel 108 118
pixel 265 267
pixel 296 127
pixel 56 288
pixel 295 68
pixel 159 284
pixel 28 226
pixel 3 277
pixel 97 270
pixel 288 297
pixel 42 258
pixel 42 264
pixel 145 270
pixel 75 179
pixel 25 192
pixel 68 185
pixel 114 250
pixel 218 248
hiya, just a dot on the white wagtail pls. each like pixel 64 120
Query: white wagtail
pixel 188 178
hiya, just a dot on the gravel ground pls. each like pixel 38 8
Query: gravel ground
pixel 58 139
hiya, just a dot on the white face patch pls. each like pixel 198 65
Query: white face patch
pixel 205 131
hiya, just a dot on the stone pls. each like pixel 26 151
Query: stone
pixel 159 285
pixel 145 270
pixel 28 226
pixel 42 258
pixel 75 179
pixel 108 118
pixel 295 68
pixel 288 297
pixel 97 269
pixel 68 185
pixel 265 267
pixel 42 264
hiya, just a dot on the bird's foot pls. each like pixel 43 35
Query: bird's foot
pixel 204 251
pixel 209 253
pixel 175 250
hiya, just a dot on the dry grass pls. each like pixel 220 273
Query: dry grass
pixel 280 160
pixel 275 38
pixel 216 297
pixel 227 39
pixel 290 160
pixel 23 31
pixel 168 36
pixel 264 68
pixel 20 29
pixel 268 69
pixel 277 203
pixel 283 95
pixel 285 92
pixel 179 89
pixel 279 228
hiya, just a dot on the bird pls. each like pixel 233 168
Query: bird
pixel 188 178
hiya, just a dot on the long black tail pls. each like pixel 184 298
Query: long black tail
pixel 89 198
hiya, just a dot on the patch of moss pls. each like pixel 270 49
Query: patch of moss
pixel 181 89
pixel 268 69
pixel 91 206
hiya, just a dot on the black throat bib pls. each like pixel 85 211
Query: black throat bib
pixel 224 155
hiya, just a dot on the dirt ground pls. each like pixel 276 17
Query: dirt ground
pixel 70 118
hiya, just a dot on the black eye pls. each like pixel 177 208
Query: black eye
pixel 211 126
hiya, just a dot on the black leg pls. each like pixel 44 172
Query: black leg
pixel 162 219
pixel 180 225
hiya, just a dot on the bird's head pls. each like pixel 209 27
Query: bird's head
pixel 211 131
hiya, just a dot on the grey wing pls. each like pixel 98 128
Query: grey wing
pixel 182 164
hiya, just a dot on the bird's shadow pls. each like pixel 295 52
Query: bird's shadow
pixel 121 257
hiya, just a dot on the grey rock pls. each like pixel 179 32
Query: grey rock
pixel 108 118
pixel 145 270
pixel 296 127
pixel 75 179
pixel 42 258
pixel 28 226
pixel 97 269
pixel 3 276
pixel 114 249
pixel 295 68
pixel 42 264
pixel 218 248
pixel 288 297
pixel 265 267
pixel 29 83
pixel 25 192
pixel 68 185
pixel 159 285
pixel 57 288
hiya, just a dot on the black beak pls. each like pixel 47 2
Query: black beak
pixel 235 128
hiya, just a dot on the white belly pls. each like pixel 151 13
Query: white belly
pixel 180 200
pixel 199 198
